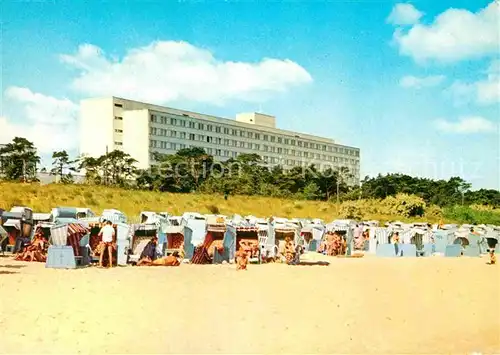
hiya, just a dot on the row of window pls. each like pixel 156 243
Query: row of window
pixel 247 134
pixel 291 152
pixel 228 142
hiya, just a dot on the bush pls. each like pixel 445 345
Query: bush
pixel 213 209
pixel 464 214
pixel 350 210
pixel 434 212
pixel 405 205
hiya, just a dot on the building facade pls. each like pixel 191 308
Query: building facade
pixel 140 129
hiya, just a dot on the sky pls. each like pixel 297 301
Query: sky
pixel 416 86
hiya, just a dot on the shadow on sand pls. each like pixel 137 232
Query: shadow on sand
pixel 12 266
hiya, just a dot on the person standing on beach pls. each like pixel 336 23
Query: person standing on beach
pixel 107 234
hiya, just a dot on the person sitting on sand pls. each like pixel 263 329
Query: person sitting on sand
pixel 107 234
pixel 148 254
pixel 493 258
pixel 241 259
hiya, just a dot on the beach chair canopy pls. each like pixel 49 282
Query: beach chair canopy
pixel 15 223
pixel 41 217
pixel 174 230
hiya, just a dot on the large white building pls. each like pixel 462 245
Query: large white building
pixel 140 129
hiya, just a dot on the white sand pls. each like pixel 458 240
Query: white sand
pixel 368 305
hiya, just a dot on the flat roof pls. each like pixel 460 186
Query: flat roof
pixel 228 121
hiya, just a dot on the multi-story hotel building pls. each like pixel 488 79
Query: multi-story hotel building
pixel 140 129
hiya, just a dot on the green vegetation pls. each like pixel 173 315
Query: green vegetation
pixel 192 180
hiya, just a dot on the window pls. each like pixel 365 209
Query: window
pixel 217 152
pixel 118 118
pixel 299 143
pixel 250 135
pixel 173 134
pixel 266 137
pixel 292 141
pixel 201 126
pixel 273 138
pixel 209 127
pixel 173 146
pixel 217 129
pixel 192 125
pixel 209 139
pixel 324 148
pixel 234 143
pixel 191 136
pixel 292 152
pixel 201 137
pixel 118 143
pixel 306 145
pixel 256 146
pixel 226 153
pixel 241 144
pixel 257 136
pixel 226 141
pixel 335 159
pixel 226 130
pixel 183 123
pixel 273 149
pixel 335 149
pixel 218 140
pixel 234 154
pixel 154 131
pixel 306 154
pixel 118 105
pixel 183 135
pixel 209 150
pixel 119 130
pixel 234 132
pixel 182 146
pixel 287 141
pixel 266 148
pixel 280 150
pixel 152 118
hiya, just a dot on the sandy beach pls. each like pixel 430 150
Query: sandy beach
pixel 368 305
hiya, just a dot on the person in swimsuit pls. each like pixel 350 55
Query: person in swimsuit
pixel 107 234
pixel 148 254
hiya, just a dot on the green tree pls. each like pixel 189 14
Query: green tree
pixel 62 166
pixel 19 160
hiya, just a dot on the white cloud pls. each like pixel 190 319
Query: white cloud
pixel 167 71
pixel 411 81
pixel 48 122
pixel 483 92
pixel 404 14
pixel 488 90
pixel 465 125
pixel 455 34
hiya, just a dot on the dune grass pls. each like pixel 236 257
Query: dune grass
pixel 42 198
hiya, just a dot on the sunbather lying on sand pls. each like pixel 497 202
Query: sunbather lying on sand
pixel 171 260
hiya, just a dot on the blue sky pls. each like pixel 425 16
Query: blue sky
pixel 415 86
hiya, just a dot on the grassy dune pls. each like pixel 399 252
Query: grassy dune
pixel 44 197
